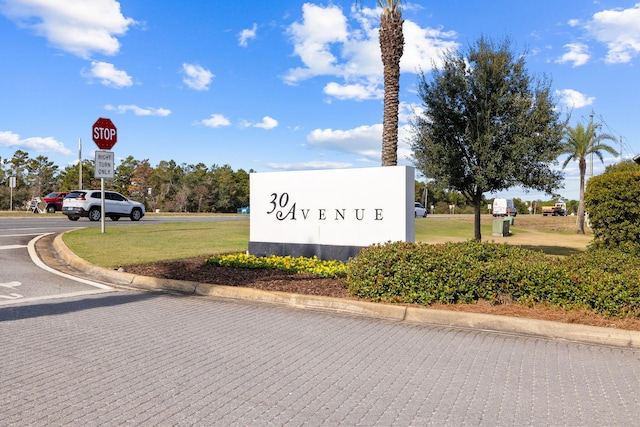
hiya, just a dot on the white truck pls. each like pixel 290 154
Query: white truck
pixel 504 207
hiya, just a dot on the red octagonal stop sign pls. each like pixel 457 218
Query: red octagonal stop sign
pixel 104 134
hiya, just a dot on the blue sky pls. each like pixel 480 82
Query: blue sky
pixel 286 85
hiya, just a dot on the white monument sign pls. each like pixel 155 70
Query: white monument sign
pixel 330 213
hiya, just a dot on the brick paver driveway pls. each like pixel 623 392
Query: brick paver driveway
pixel 135 358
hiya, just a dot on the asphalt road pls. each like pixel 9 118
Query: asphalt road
pixel 125 357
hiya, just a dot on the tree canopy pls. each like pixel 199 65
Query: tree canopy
pixel 487 125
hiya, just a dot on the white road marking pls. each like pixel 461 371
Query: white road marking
pixel 50 297
pixel 36 260
pixel 12 247
pixel 12 286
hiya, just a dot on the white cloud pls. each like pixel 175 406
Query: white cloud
pixel 364 140
pixel 312 165
pixel 424 46
pixel 108 75
pixel 619 29
pixel 39 144
pixel 138 111
pixel 578 54
pixel 216 121
pixel 313 38
pixel 357 91
pixel 574 99
pixel 79 27
pixel 266 123
pixel 196 77
pixel 328 46
pixel 246 35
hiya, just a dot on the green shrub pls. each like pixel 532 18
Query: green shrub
pixel 603 281
pixel 614 212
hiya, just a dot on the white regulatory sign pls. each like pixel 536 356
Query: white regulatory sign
pixel 104 164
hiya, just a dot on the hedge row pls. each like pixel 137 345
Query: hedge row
pixel 603 281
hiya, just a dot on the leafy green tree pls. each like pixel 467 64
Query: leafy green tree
pixel 41 175
pixel 140 189
pixel 22 193
pixel 123 175
pixel 165 181
pixel 581 142
pixel 487 125
pixel 225 189
pixel 68 177
pixel 242 187
pixel 624 166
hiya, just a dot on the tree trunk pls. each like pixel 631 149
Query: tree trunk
pixel 477 234
pixel 391 48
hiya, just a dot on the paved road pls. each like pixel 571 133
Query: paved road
pixel 132 358
pixel 141 358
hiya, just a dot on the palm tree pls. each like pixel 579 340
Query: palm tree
pixel 581 142
pixel 391 48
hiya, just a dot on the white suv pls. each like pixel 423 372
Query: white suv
pixel 88 203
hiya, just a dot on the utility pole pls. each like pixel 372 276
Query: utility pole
pixel 80 163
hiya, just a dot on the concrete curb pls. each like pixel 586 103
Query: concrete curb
pixel 544 328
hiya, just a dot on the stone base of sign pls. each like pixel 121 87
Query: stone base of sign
pixel 324 252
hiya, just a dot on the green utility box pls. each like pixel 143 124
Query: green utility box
pixel 501 227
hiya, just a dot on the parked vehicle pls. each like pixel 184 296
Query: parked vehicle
pixel 87 203
pixel 504 207
pixel 420 210
pixel 558 209
pixel 53 201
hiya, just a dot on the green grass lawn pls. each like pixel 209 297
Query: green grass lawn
pixel 126 245
pixel 146 243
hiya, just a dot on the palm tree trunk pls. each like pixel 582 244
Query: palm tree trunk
pixel 391 47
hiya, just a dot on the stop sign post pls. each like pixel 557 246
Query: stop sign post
pixel 104 133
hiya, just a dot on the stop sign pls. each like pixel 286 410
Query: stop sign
pixel 104 133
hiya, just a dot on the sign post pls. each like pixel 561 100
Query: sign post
pixel 12 185
pixel 105 135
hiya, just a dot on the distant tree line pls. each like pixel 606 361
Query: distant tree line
pixel 182 188
pixel 168 186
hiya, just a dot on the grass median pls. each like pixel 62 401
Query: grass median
pixel 148 243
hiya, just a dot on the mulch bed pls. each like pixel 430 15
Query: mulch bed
pixel 195 270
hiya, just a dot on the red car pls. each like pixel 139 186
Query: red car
pixel 53 201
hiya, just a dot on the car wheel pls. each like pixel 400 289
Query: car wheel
pixel 425 214
pixel 51 209
pixel 94 214
pixel 73 218
pixel 114 218
pixel 136 214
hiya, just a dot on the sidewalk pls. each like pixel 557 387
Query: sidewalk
pixel 55 254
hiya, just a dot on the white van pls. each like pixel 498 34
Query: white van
pixel 504 207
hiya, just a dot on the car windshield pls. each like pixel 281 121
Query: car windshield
pixel 75 195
